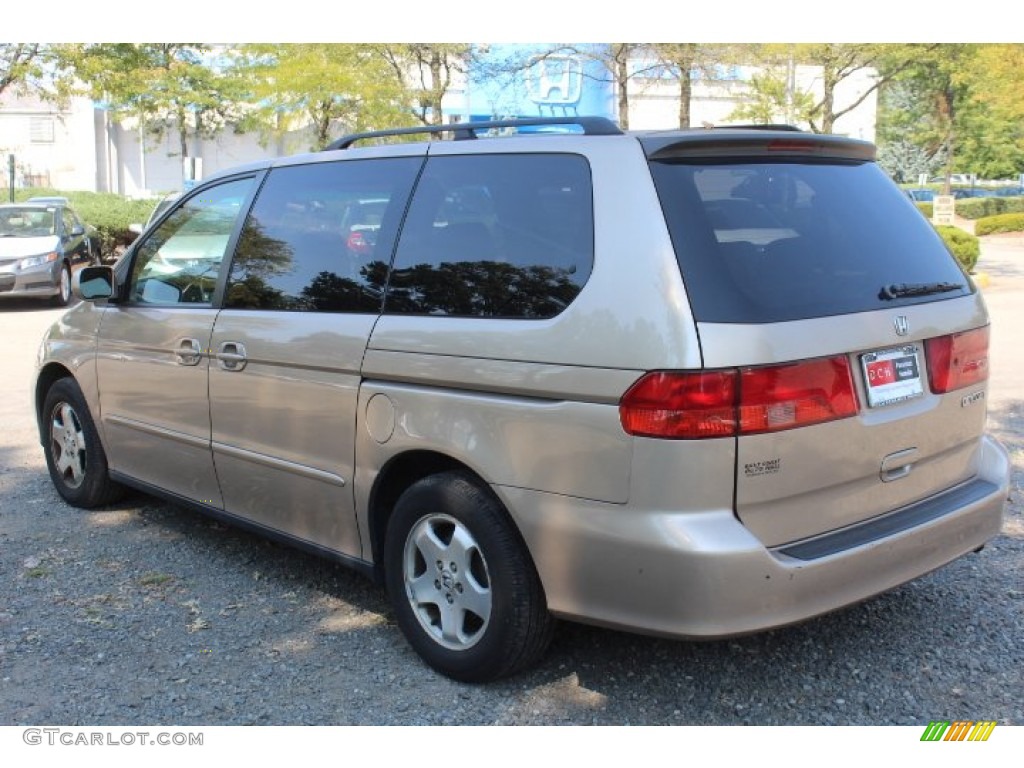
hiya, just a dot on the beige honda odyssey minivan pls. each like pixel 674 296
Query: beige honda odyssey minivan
pixel 686 383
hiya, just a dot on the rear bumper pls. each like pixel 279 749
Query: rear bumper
pixel 704 575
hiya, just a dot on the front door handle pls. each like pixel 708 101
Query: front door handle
pixel 189 352
pixel 231 356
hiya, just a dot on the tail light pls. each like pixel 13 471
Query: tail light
pixel 358 244
pixel 958 360
pixel 697 404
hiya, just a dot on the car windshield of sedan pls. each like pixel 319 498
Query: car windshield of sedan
pixel 26 222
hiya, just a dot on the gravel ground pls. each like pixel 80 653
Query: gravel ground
pixel 146 613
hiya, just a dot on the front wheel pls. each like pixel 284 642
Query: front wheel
pixel 63 296
pixel 74 455
pixel 463 586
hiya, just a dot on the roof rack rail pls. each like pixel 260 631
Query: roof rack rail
pixel 592 126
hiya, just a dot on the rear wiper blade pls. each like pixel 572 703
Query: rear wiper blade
pixel 899 290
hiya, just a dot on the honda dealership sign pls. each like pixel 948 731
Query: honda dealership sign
pixel 538 80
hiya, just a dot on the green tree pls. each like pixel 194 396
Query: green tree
pixel 161 84
pixel 992 129
pixel 773 99
pixel 331 87
pixel 426 71
pixel 935 103
pixel 776 91
pixel 20 64
pixel 684 61
pixel 37 68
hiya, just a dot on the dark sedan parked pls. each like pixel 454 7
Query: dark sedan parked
pixel 39 243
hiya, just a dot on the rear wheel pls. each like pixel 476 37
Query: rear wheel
pixel 463 586
pixel 74 455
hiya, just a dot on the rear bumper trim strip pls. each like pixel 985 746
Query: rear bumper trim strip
pixel 895 522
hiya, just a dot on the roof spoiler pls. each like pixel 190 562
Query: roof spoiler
pixel 742 142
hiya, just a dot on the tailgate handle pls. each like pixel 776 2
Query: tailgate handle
pixel 897 465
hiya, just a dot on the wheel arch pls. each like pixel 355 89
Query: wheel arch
pixel 48 376
pixel 394 478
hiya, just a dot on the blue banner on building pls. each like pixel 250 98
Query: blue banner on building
pixel 538 80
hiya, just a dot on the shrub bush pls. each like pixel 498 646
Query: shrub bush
pixel 1004 222
pixel 110 215
pixel 926 208
pixel 977 207
pixel 963 245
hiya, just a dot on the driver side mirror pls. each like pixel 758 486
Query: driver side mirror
pixel 93 283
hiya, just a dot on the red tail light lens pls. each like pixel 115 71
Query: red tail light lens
pixel 957 361
pixel 796 395
pixel 699 404
pixel 683 405
pixel 792 145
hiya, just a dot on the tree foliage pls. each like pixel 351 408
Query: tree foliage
pixel 334 88
pixel 683 62
pixel 36 68
pixel 776 93
pixel 161 84
pixel 426 72
pixel 958 103
pixel 773 99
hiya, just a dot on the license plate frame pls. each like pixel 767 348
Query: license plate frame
pixel 892 375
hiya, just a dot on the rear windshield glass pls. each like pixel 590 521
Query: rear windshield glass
pixel 763 242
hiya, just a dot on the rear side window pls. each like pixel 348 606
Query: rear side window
pixel 764 242
pixel 495 236
pixel 319 237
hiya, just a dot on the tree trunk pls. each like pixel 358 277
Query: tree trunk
pixel 685 63
pixel 828 117
pixel 947 110
pixel 197 135
pixel 182 133
pixel 437 89
pixel 322 123
pixel 622 81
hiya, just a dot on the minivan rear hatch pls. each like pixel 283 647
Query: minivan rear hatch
pixel 857 345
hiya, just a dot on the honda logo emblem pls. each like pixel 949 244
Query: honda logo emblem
pixel 902 326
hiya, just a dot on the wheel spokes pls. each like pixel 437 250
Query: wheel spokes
pixel 475 598
pixel 429 545
pixel 447 582
pixel 67 445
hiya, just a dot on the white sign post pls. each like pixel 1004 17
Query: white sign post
pixel 943 208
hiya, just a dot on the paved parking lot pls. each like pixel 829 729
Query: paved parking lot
pixel 146 613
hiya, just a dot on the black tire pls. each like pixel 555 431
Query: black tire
pixel 63 298
pixel 456 511
pixel 74 454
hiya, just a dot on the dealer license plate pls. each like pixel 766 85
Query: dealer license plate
pixel 892 375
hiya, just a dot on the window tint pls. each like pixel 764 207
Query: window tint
pixel 768 242
pixel 495 236
pixel 179 262
pixel 319 237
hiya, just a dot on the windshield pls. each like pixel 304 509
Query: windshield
pixel 26 222
pixel 762 242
